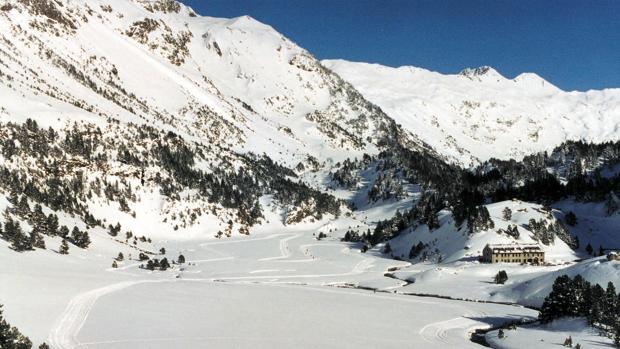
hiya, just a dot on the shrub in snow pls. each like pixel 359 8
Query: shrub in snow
pixel 64 247
pixel 501 277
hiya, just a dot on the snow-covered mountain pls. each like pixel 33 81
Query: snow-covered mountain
pixel 172 102
pixel 235 82
pixel 479 114
pixel 140 143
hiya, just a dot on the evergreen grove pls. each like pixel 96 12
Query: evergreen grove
pixel 579 298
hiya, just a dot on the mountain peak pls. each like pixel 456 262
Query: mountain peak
pixel 246 22
pixel 533 80
pixel 485 71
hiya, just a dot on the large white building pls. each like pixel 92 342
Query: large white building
pixel 513 253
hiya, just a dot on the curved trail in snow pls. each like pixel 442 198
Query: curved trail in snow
pixel 359 268
pixel 239 241
pixel 285 251
pixel 64 333
pixel 438 333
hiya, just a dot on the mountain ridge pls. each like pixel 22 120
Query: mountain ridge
pixel 474 116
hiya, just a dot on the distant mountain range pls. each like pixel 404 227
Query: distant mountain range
pixel 478 114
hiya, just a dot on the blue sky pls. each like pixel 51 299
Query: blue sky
pixel 573 44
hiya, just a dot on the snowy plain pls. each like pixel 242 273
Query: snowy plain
pixel 281 290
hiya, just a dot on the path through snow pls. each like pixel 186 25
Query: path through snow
pixel 64 333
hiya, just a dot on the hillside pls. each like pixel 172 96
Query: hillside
pixel 165 101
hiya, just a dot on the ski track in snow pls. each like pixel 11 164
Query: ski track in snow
pixel 438 332
pixel 64 333
pixel 212 243
pixel 285 252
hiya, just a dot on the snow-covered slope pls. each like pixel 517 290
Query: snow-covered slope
pixel 449 243
pixel 533 292
pixel 236 81
pixel 479 114
pixel 119 72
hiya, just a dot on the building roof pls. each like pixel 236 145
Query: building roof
pixel 514 248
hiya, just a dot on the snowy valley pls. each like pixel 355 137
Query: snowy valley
pixel 174 180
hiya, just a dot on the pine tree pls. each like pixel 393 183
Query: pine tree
pixel 120 257
pixel 387 249
pixel 10 337
pixel 52 224
pixel 38 218
pixel 9 228
pixel 80 239
pixel 64 247
pixel 19 241
pixel 501 277
pixel 580 287
pixel 513 231
pixel 610 305
pixel 558 302
pixel 44 346
pixel 23 208
pixel 63 232
pixel 114 264
pixel 616 330
pixel 597 307
pixel 507 213
pixel 181 259
pixel 36 240
pixel 571 218
pixel 163 265
pixel 589 249
pixel 416 250
pixel 114 230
